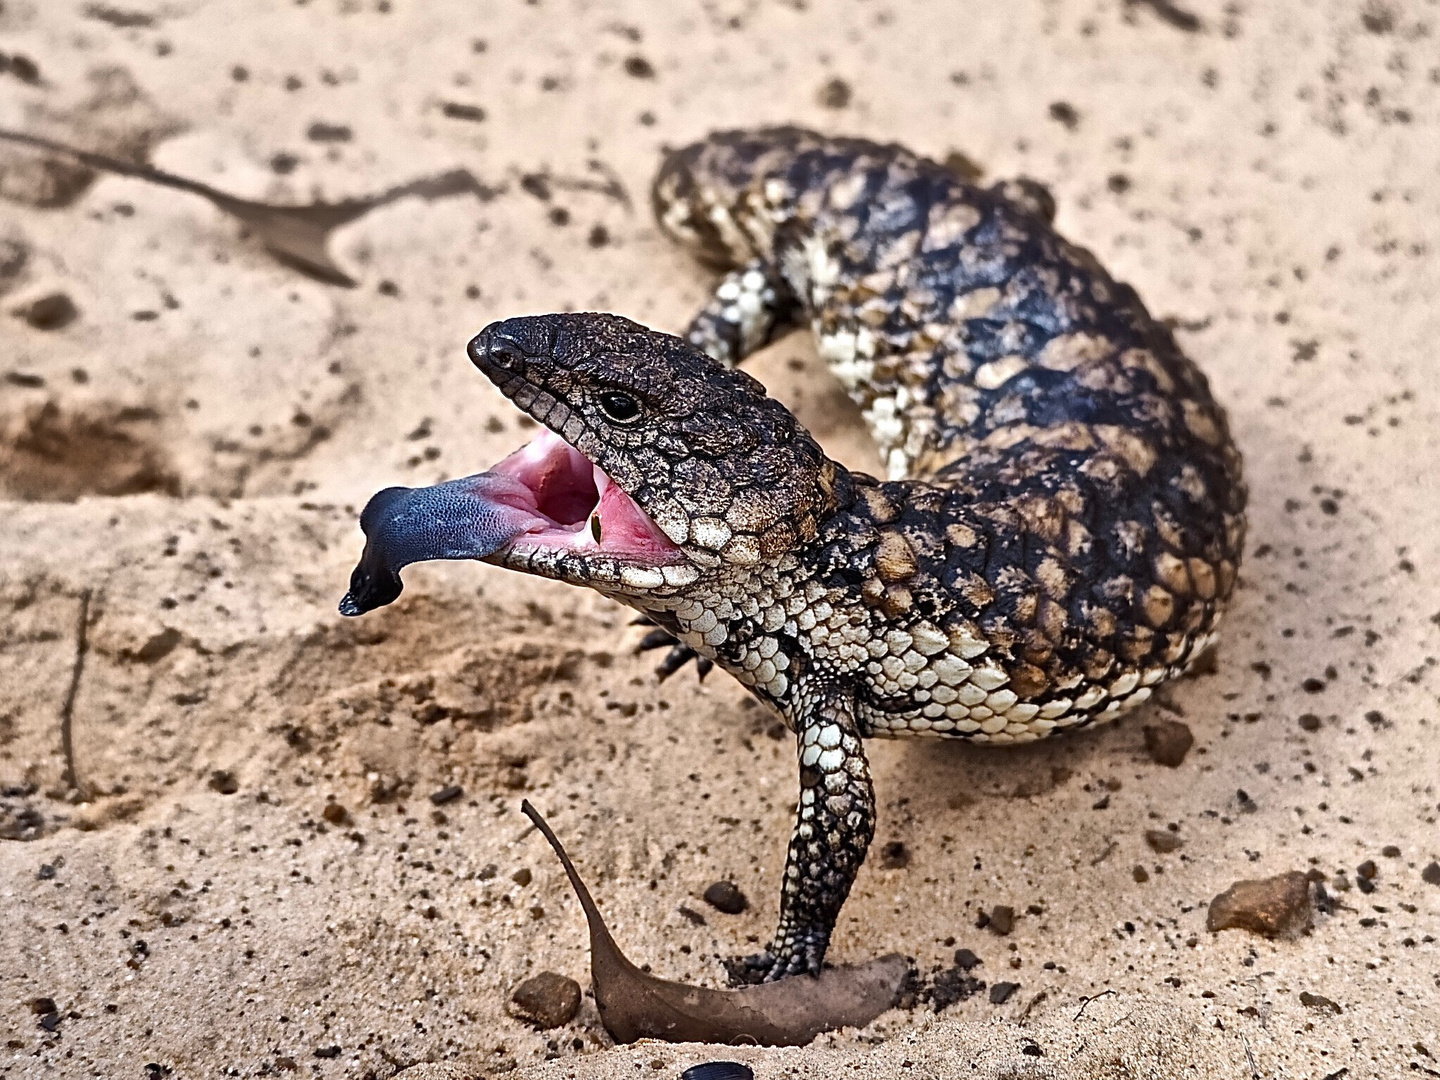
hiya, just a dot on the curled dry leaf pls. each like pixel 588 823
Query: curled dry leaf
pixel 296 235
pixel 635 1005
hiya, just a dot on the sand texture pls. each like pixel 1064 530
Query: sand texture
pixel 253 876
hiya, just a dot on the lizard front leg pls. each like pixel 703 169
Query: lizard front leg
pixel 750 308
pixel 833 827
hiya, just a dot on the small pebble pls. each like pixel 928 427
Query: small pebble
pixel 1317 1001
pixel 1275 907
pixel 522 877
pixel 1309 722
pixel 1168 742
pixel 1163 841
pixel 1431 874
pixel 1367 870
pixel 448 793
pixel 725 896
pixel 546 1000
pixel 1001 991
pixel 966 960
pixel 894 856
pixel 1002 919
pixel 1390 851
pixel 53 312
pixel 1140 874
pixel 223 781
pixel 335 814
pixel 835 94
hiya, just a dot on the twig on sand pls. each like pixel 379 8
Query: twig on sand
pixel 1086 1001
pixel 67 710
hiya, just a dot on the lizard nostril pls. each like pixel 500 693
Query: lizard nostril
pixel 505 352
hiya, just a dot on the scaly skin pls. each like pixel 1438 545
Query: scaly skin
pixel 1065 513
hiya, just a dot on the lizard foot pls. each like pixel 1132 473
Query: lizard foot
pixel 678 656
pixel 766 967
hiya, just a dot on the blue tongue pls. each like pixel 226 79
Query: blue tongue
pixel 459 519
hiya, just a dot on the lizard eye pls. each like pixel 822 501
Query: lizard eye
pixel 621 408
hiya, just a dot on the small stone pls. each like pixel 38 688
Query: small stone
pixel 546 1000
pixel 725 896
pixel 1318 1001
pixel 1000 992
pixel 1431 874
pixel 335 814
pixel 1309 722
pixel 966 960
pixel 1390 851
pixel 835 94
pixel 1367 870
pixel 328 1052
pixel 894 856
pixel 53 312
pixel 1163 841
pixel 637 67
pixel 1002 919
pixel 1275 907
pixel 1168 742
pixel 223 781
pixel 1140 874
pixel 448 793
pixel 953 985
pixel 522 877
pixel 691 915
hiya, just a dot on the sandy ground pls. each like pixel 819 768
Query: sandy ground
pixel 191 450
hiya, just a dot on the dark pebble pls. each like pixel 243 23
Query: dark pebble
pixel 1390 851
pixel 1309 722
pixel 456 111
pixel 547 1000
pixel 894 856
pixel 46 872
pixel 522 877
pixel 1140 874
pixel 1065 113
pixel 1275 907
pixel 53 312
pixel 953 985
pixel 448 793
pixel 726 896
pixel 1002 919
pixel 335 814
pixel 691 915
pixel 637 67
pixel 1431 874
pixel 835 94
pixel 1317 1001
pixel 719 1070
pixel 1367 870
pixel 322 132
pixel 1001 991
pixel 1168 742
pixel 1365 885
pixel 328 1052
pixel 223 781
pixel 42 1005
pixel 966 960
pixel 1163 841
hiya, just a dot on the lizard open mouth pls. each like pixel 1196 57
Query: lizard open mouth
pixel 545 507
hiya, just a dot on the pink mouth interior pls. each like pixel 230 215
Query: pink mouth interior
pixel 567 493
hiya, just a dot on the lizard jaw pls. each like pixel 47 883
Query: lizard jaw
pixel 546 509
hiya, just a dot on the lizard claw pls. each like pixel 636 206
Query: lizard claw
pixel 678 656
pixel 766 967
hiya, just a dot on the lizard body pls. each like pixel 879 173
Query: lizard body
pixel 1064 515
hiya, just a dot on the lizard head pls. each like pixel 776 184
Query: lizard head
pixel 658 470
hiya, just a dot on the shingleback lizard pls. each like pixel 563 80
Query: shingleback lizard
pixel 1061 525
